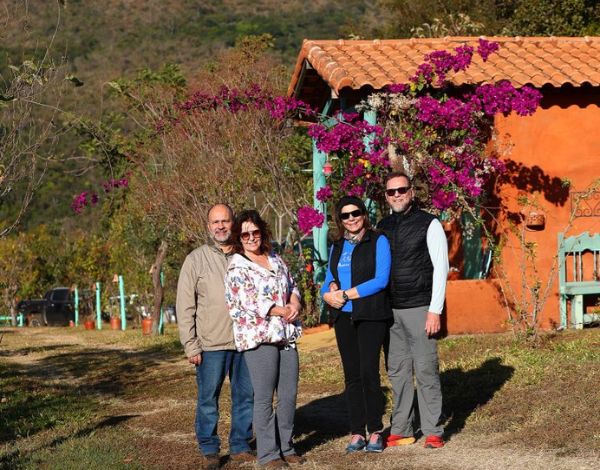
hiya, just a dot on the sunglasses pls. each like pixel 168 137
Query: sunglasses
pixel 401 190
pixel 346 215
pixel 245 236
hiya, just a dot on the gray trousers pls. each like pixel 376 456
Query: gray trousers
pixel 273 369
pixel 412 350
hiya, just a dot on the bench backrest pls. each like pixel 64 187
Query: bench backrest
pixel 575 248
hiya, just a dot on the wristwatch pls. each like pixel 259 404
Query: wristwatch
pixel 345 296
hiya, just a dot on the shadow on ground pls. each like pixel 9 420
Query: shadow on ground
pixel 320 421
pixel 465 391
pixel 59 387
pixel 325 419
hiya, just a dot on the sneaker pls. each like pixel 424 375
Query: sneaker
pixel 394 440
pixel 357 442
pixel 375 443
pixel 434 442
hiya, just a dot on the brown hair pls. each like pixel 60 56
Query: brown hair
pixel 250 215
pixel 397 174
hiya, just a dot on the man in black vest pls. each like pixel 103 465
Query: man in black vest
pixel 417 290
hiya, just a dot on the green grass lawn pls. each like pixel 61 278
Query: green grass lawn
pixel 71 398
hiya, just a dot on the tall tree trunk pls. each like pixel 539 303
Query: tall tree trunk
pixel 158 288
pixel 11 296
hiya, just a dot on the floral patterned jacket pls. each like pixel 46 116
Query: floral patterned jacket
pixel 250 292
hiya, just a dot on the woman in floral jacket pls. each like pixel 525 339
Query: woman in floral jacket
pixel 264 303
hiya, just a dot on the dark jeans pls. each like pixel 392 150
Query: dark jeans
pixel 210 374
pixel 360 346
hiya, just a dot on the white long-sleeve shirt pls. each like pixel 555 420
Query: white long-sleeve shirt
pixel 437 245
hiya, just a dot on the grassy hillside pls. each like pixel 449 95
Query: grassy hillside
pixel 101 41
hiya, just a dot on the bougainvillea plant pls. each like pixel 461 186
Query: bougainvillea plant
pixel 86 198
pixel 433 131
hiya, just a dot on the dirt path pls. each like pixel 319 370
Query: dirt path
pixel 152 400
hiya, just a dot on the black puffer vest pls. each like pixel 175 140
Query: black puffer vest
pixel 375 307
pixel 411 276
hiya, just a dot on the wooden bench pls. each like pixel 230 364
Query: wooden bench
pixel 577 278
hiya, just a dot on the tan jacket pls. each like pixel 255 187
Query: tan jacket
pixel 202 316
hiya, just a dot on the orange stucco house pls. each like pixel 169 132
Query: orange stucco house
pixel 552 156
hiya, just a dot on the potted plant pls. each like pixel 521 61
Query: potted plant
pixel 115 322
pixel 89 324
pixel 146 315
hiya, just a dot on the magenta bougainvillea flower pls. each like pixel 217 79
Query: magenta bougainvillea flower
pixel 309 218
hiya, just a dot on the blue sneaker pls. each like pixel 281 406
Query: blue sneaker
pixel 357 442
pixel 375 443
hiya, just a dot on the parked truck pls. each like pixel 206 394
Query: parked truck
pixel 55 309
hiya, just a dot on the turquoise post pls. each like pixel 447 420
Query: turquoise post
pixel 122 303
pixel 21 320
pixel 371 117
pixel 161 325
pixel 319 234
pixel 76 305
pixel 98 308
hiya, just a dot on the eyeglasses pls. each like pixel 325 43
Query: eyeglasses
pixel 245 236
pixel 354 213
pixel 401 190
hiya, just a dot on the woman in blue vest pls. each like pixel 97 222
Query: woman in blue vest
pixel 359 308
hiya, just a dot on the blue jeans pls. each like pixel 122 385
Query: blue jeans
pixel 210 374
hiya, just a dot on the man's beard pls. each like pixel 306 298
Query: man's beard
pixel 403 209
pixel 222 239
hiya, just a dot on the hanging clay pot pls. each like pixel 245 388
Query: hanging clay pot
pixel 535 221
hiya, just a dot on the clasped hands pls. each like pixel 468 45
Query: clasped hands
pixel 289 313
pixel 335 296
pixel 292 311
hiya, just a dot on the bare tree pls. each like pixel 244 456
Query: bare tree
pixel 30 95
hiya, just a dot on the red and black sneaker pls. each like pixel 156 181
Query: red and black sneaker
pixel 394 440
pixel 434 442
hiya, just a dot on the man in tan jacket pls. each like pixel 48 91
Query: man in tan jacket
pixel 206 333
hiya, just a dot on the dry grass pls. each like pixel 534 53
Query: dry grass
pixel 113 400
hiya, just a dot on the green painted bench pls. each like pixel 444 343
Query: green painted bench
pixel 577 279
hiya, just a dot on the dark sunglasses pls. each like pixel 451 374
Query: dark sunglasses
pixel 401 190
pixel 245 236
pixel 346 215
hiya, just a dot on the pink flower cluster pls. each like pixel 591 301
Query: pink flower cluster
pixel 253 97
pixel 111 184
pixel 365 163
pixel 324 194
pixel 503 97
pixel 486 48
pixel 439 63
pixel 91 198
pixel 453 113
pixel 309 218
pixel 82 200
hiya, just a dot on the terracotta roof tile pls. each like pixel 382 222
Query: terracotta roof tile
pixel 536 61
